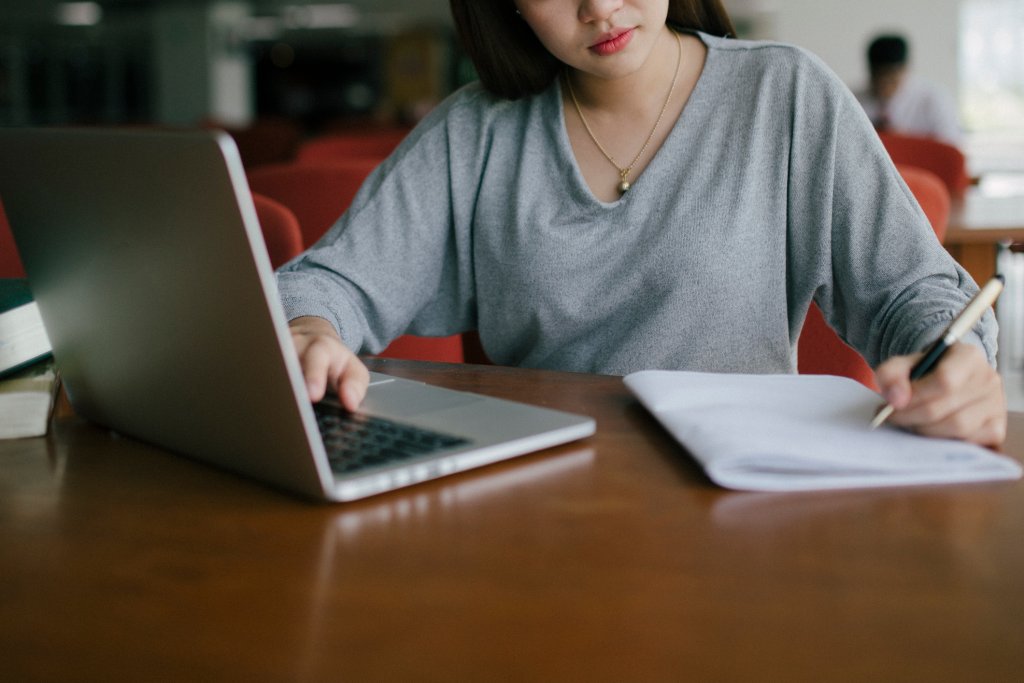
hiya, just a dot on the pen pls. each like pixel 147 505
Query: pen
pixel 960 326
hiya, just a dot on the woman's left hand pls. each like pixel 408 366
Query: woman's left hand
pixel 961 398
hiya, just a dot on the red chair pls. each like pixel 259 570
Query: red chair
pixel 820 351
pixel 942 159
pixel 280 229
pixel 10 262
pixel 318 195
pixel 372 144
pixel 931 193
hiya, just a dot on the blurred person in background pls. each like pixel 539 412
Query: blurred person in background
pixel 898 101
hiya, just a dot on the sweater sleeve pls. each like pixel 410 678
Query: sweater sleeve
pixel 880 276
pixel 397 260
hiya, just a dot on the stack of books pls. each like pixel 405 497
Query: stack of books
pixel 28 377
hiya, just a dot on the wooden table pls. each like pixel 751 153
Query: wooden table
pixel 977 228
pixel 611 559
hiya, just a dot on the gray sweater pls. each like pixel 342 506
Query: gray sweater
pixel 771 190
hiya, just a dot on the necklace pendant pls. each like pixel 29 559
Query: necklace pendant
pixel 624 186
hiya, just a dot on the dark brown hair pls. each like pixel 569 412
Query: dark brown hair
pixel 886 53
pixel 512 63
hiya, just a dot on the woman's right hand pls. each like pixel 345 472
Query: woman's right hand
pixel 327 364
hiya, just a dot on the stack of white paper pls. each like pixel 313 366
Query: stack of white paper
pixel 802 432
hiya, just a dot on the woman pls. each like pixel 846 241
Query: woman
pixel 625 189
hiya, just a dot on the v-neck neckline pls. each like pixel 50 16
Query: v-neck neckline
pixel 679 128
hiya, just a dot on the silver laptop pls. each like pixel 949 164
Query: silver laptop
pixel 145 255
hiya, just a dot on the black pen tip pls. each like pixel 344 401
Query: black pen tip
pixel 999 276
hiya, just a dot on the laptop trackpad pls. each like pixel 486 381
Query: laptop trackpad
pixel 407 399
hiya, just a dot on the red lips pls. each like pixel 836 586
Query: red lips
pixel 612 42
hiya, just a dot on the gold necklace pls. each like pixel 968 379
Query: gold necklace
pixel 624 172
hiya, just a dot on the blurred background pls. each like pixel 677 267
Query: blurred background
pixel 321 64
pixel 181 62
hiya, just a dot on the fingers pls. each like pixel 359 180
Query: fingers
pixel 322 365
pixel 327 364
pixel 352 384
pixel 893 377
pixel 961 398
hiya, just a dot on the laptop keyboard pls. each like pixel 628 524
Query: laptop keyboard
pixel 354 441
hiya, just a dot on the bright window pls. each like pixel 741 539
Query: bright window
pixel 992 64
